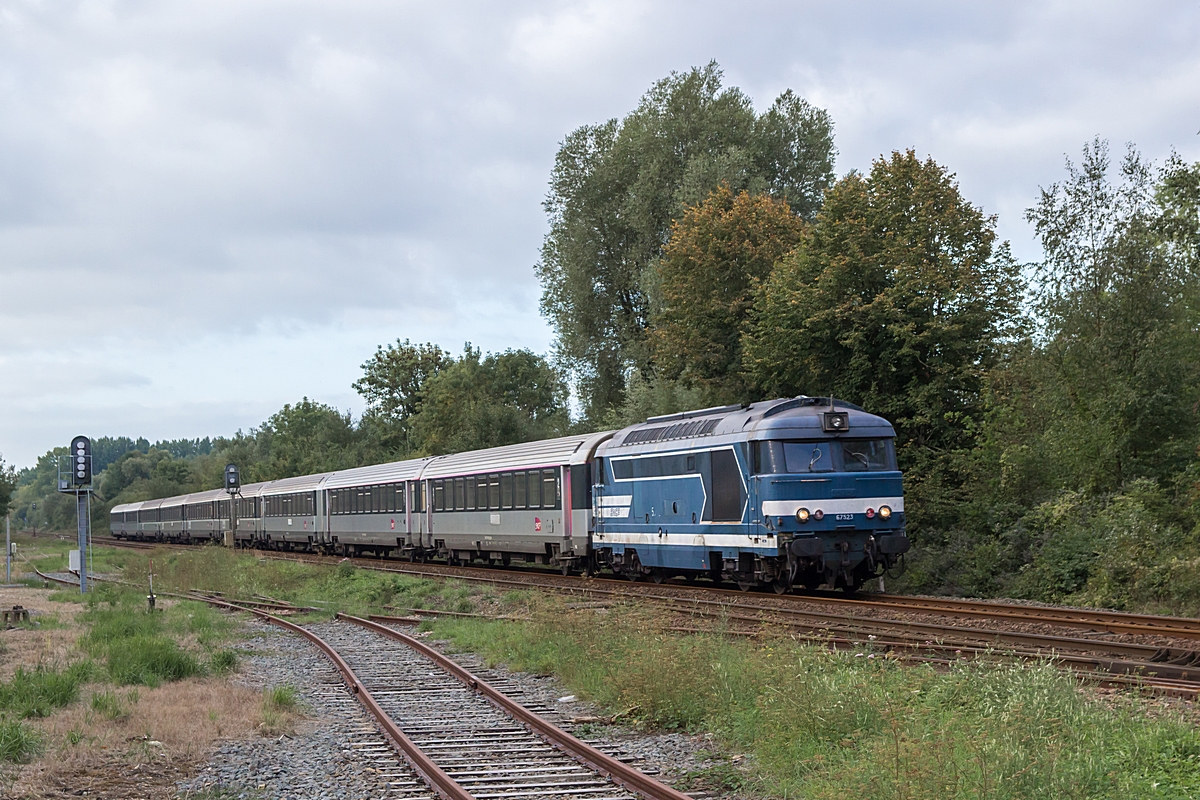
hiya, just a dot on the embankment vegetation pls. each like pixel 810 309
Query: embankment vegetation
pixel 790 719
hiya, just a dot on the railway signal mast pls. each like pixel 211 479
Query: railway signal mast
pixel 233 485
pixel 77 479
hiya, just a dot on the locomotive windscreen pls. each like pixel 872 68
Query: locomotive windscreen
pixel 826 455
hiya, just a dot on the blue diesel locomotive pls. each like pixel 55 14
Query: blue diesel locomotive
pixel 798 492
pixel 783 493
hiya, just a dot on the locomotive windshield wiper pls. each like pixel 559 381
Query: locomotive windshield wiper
pixel 816 456
pixel 860 457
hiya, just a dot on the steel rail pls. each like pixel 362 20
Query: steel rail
pixel 1152 658
pixel 421 763
pixel 602 763
pixel 1114 621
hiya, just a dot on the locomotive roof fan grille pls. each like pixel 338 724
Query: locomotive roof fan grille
pixel 680 430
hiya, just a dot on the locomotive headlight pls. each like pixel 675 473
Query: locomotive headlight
pixel 802 515
pixel 885 512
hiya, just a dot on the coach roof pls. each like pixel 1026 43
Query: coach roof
pixel 299 484
pixel 547 453
pixel 392 472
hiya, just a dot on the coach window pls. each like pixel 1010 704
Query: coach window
pixel 506 490
pixel 535 489
pixel 469 486
pixel 460 494
pixel 549 488
pixel 519 494
pixel 481 492
pixel 494 492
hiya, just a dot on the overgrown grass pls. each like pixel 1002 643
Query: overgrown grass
pixel 280 698
pixel 341 587
pixel 820 724
pixel 39 692
pixel 279 707
pixel 18 741
pixel 113 706
pixel 136 646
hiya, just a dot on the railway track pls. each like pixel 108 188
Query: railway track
pixel 464 738
pixel 1161 652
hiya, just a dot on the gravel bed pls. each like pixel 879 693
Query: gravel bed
pixel 326 756
pixel 668 756
pixel 334 754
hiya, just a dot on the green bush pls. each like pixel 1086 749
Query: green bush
pixel 135 645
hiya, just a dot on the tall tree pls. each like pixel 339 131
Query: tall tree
pixel 718 253
pixel 304 439
pixel 393 384
pixel 617 187
pixel 1117 292
pixel 488 401
pixel 897 298
pixel 8 484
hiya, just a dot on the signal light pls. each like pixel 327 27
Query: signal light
pixel 81 454
pixel 802 515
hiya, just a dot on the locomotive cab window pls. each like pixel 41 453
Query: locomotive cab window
pixel 827 455
pixel 868 455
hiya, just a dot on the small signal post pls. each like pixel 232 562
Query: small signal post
pixel 76 479
pixel 233 485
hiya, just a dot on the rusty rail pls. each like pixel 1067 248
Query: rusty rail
pixel 606 765
pixel 422 764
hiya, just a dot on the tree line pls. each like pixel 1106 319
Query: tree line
pixel 703 253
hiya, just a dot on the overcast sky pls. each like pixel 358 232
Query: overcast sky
pixel 210 209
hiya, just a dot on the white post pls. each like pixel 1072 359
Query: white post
pixel 7 550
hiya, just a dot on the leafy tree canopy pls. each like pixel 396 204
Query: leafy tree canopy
pixel 1117 292
pixel 897 298
pixel 718 253
pixel 617 187
pixel 8 484
pixel 487 401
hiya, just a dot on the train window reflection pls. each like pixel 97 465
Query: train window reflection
pixel 807 456
pixel 864 455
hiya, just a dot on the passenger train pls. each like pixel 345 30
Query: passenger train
pixel 794 492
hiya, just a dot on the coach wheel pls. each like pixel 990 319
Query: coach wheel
pixel 746 584
pixel 781 585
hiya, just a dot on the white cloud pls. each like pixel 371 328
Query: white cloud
pixel 258 193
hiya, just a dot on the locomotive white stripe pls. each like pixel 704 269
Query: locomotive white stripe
pixel 848 505
pixel 614 500
pixel 686 539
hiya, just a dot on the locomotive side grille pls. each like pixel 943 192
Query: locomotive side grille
pixel 680 430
